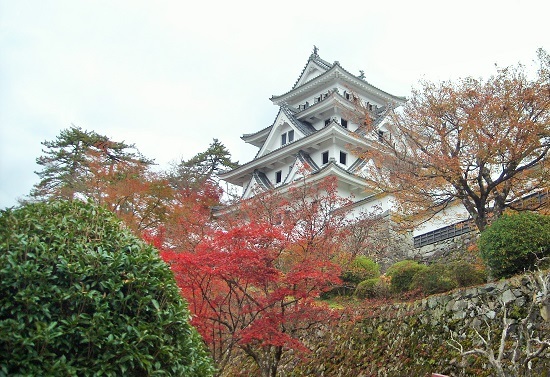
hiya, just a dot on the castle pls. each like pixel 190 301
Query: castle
pixel 314 133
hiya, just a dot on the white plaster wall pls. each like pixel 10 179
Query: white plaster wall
pixel 377 205
pixel 450 216
pixel 333 153
pixel 345 193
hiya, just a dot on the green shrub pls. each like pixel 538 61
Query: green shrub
pixel 465 274
pixel 361 268
pixel 80 295
pixel 513 243
pixel 402 274
pixel 443 277
pixel 433 279
pixel 373 288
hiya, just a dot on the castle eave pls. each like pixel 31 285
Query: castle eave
pixel 337 73
pixel 241 175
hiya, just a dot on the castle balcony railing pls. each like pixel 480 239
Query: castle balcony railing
pixel 444 233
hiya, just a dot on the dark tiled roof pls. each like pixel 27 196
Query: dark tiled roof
pixel 305 158
pixel 244 136
pixel 337 64
pixel 288 144
pixel 304 127
pixel 379 115
pixel 323 168
pixel 359 78
pixel 338 167
pixel 357 165
pixel 261 179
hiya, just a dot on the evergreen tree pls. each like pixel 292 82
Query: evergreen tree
pixel 67 163
pixel 202 167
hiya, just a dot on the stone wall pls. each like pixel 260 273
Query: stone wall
pixel 424 337
pixel 394 246
pixel 449 249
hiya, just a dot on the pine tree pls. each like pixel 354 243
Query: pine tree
pixel 67 162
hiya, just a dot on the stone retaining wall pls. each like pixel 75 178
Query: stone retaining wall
pixel 424 337
pixel 398 247
pixel 449 249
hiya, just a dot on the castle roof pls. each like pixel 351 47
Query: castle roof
pixel 333 128
pixel 258 138
pixel 331 72
pixel 300 129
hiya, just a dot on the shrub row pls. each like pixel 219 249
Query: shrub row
pixel 408 275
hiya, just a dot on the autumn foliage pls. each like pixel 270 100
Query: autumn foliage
pixel 253 279
pixel 130 189
pixel 481 143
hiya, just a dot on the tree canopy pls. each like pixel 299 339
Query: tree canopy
pixel 84 165
pixel 68 163
pixel 481 143
pixel 204 166
pixel 252 278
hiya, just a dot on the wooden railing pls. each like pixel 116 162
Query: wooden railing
pixel 444 233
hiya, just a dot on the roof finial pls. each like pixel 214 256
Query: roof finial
pixel 361 74
pixel 315 49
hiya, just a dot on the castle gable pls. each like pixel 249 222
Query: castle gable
pixel 258 183
pixel 285 130
pixel 302 166
pixel 315 67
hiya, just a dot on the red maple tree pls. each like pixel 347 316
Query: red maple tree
pixel 253 279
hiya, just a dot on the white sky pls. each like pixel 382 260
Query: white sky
pixel 170 76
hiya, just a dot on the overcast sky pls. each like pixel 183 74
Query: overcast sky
pixel 170 76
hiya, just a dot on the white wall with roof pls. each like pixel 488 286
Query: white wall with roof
pixel 449 216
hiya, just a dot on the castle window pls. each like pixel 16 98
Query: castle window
pixel 380 135
pixel 278 176
pixel 343 158
pixel 344 123
pixel 325 157
pixel 287 137
pixel 327 121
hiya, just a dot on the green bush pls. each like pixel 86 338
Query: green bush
pixel 361 268
pixel 80 295
pixel 354 272
pixel 443 277
pixel 373 288
pixel 513 243
pixel 465 274
pixel 433 279
pixel 402 274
